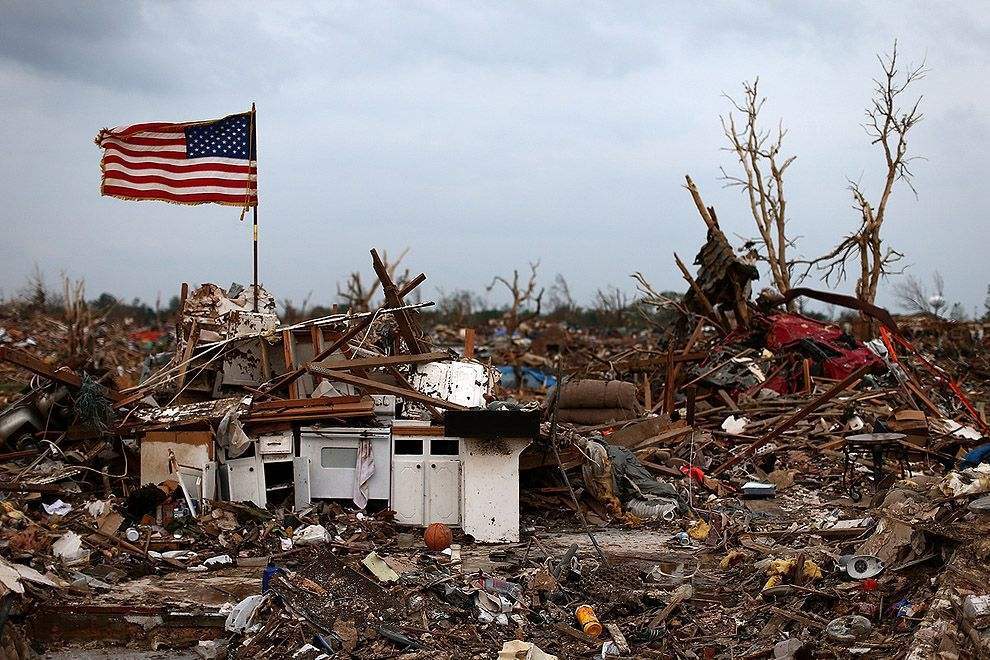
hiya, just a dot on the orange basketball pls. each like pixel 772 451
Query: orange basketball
pixel 438 537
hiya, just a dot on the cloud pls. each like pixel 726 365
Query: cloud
pixel 483 136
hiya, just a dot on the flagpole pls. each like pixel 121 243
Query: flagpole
pixel 253 149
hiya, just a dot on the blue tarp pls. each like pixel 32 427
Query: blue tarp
pixel 533 378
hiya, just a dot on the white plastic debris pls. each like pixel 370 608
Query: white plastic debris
pixel 178 555
pixel 68 548
pixel 855 423
pixel 57 508
pixel 242 616
pixel 310 535
pixel 96 508
pixel 219 560
pixel 734 425
pixel 960 431
pixel 286 544
pixel 12 576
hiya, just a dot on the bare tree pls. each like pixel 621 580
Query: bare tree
pixel 522 295
pixel 293 314
pixel 560 298
pixel 611 304
pixel 915 297
pixel 457 307
pixel 759 154
pixel 357 296
pixel 888 122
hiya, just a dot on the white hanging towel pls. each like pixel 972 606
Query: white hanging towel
pixel 364 469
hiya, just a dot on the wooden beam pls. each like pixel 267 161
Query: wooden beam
pixel 469 343
pixel 384 388
pixel 289 352
pixel 292 376
pixel 393 299
pixel 62 375
pixel 186 355
pixel 27 361
pixel 698 202
pixel 381 361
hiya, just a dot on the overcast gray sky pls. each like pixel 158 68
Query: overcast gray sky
pixel 481 135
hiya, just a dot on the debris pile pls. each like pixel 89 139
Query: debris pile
pixel 748 482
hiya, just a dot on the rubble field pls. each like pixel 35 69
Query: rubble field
pixel 737 481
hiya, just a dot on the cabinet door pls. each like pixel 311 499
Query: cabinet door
pixel 407 490
pixel 242 477
pixel 300 477
pixel 443 491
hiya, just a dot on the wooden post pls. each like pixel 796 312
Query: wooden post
pixel 288 350
pixel 469 342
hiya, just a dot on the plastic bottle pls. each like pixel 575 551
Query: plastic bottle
pixel 588 620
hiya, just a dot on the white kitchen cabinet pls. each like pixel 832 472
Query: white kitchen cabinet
pixel 426 484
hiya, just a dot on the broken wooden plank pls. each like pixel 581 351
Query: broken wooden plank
pixel 282 404
pixel 382 361
pixel 62 375
pixel 393 298
pixel 382 388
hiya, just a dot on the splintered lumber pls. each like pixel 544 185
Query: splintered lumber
pixel 382 388
pixel 65 376
pixel 313 402
pixel 381 361
pixel 394 299
pixel 702 209
pixel 341 341
pixel 683 592
pixel 305 409
pixel 788 423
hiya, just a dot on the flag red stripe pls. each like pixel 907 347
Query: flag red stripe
pixel 153 142
pixel 179 169
pixel 130 193
pixel 156 126
pixel 233 184
pixel 175 155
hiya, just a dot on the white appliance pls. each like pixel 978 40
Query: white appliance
pixel 491 488
pixel 426 480
pixel 328 459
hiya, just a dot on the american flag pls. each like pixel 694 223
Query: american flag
pixel 189 163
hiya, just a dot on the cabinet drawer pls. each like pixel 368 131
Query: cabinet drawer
pixel 275 444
